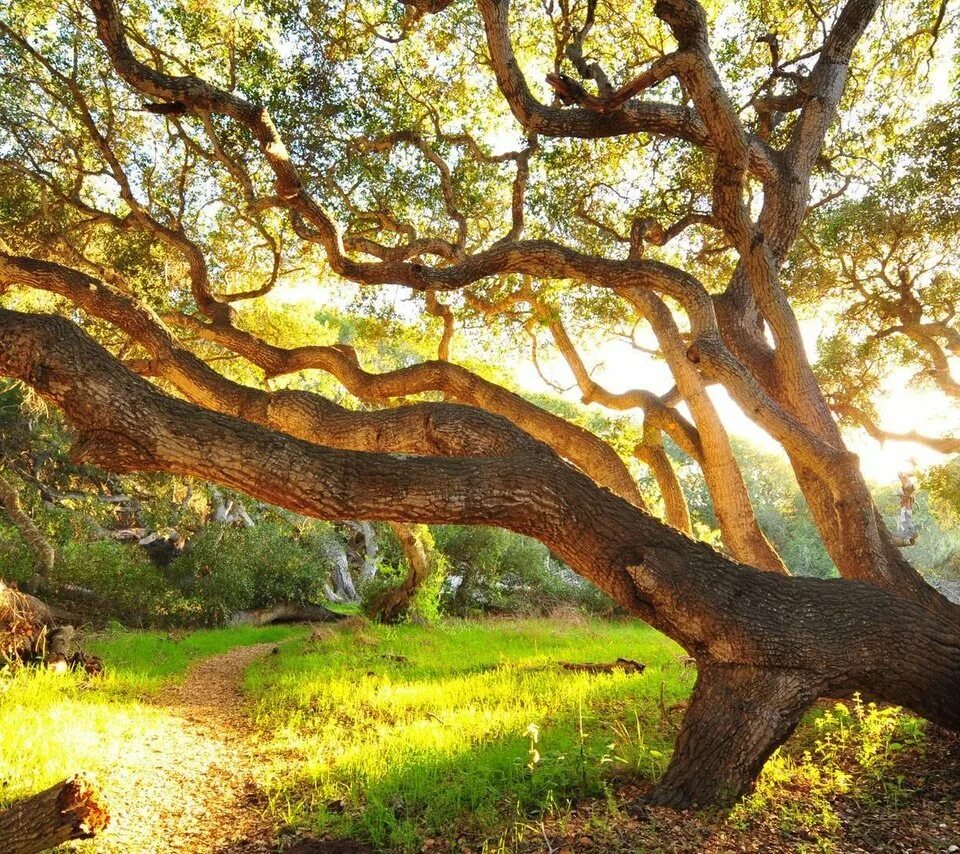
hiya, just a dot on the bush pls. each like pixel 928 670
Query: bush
pixel 122 576
pixel 496 570
pixel 855 758
pixel 226 570
pixel 16 560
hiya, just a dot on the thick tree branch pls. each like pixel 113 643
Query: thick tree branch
pixel 633 117
pixel 442 429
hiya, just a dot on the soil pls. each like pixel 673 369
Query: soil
pixel 188 783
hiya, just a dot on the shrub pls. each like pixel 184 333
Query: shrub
pixel 853 758
pixel 16 560
pixel 226 570
pixel 122 576
pixel 496 570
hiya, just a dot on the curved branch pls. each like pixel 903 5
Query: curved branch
pixel 940 444
pixel 589 453
pixel 669 120
pixel 442 429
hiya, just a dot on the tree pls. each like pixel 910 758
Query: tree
pixel 886 258
pixel 159 210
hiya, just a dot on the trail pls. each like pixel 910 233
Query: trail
pixel 187 783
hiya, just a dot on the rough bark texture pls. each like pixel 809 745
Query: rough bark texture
pixel 24 623
pixel 43 551
pixel 392 605
pixel 749 626
pixel 340 587
pixel 72 809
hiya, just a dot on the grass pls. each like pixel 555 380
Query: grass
pixel 847 753
pixel 140 663
pixel 55 724
pixel 397 735
pixel 410 736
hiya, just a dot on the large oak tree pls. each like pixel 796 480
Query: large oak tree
pixel 167 164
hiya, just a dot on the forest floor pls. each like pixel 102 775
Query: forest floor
pixel 465 737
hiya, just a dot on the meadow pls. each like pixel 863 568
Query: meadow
pixel 465 735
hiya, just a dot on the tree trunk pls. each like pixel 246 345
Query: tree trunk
pixel 392 605
pixel 42 550
pixel 365 543
pixel 72 809
pixel 737 717
pixel 741 532
pixel 341 582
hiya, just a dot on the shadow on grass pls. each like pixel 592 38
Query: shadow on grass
pixel 396 736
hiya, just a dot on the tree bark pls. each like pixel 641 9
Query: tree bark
pixel 392 605
pixel 728 492
pixel 72 809
pixel 651 452
pixel 341 587
pixel 737 717
pixel 365 541
pixel 42 550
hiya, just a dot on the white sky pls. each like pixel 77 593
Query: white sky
pixel 619 367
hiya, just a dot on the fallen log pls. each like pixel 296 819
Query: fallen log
pixel 32 632
pixel 627 665
pixel 24 621
pixel 71 809
pixel 286 612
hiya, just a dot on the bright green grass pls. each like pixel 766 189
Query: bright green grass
pixel 52 725
pixel 142 662
pixel 394 735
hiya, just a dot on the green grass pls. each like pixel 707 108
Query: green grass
pixel 141 663
pixel 52 725
pixel 846 754
pixel 397 734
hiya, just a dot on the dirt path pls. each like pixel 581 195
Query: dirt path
pixel 187 784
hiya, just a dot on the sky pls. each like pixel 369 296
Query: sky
pixel 619 367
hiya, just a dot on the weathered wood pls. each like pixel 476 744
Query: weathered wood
pixel 31 631
pixel 71 809
pixel 58 648
pixel 24 621
pixel 287 612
